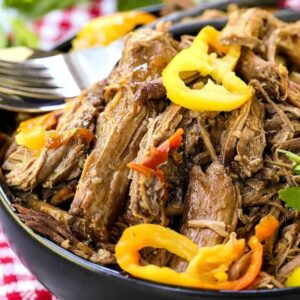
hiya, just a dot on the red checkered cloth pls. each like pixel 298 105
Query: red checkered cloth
pixel 16 282
pixel 294 4
pixel 58 25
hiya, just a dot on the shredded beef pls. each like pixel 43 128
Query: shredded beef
pixel 249 28
pixel 120 127
pixel 275 78
pixel 48 226
pixel 147 199
pixel 252 142
pixel 153 90
pixel 284 41
pixel 211 196
pixel 53 166
pixel 229 138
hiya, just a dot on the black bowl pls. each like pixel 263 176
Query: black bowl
pixel 70 277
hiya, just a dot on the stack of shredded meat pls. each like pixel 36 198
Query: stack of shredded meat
pixel 225 177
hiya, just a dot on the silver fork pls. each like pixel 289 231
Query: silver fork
pixel 17 104
pixel 60 76
pixel 63 76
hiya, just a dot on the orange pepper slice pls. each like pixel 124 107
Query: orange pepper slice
pixel 158 155
pixel 56 139
pixel 46 121
pixel 266 227
pixel 32 132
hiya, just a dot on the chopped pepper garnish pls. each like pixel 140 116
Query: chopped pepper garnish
pixel 158 155
pixel 32 132
pixel 254 267
pixel 228 93
pixel 294 279
pixel 104 30
pixel 207 267
pixel 34 139
pixel 46 121
pixel 266 227
pixel 294 158
pixel 36 133
pixel 56 139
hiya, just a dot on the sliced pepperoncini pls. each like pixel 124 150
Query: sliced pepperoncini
pixel 228 93
pixel 207 266
pixel 104 30
pixel 36 133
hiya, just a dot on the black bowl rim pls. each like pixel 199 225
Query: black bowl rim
pixel 63 253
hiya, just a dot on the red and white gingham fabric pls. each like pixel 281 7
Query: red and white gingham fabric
pixel 58 25
pixel 294 4
pixel 16 282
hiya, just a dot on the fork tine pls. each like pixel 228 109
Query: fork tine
pixel 24 73
pixel 16 104
pixel 30 64
pixel 29 82
pixel 37 93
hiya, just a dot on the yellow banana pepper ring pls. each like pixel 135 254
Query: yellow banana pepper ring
pixel 140 236
pixel 228 93
pixel 207 267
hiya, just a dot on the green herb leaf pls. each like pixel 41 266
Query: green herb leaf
pixel 291 197
pixel 291 156
pixel 297 170
pixel 22 35
pixel 132 4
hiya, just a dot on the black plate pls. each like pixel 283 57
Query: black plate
pixel 70 277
